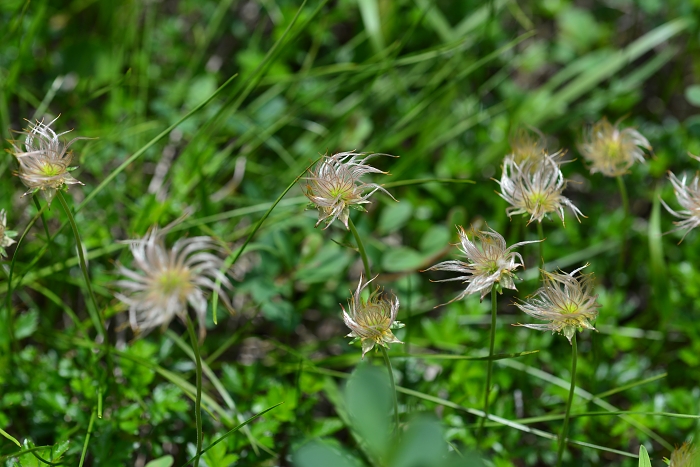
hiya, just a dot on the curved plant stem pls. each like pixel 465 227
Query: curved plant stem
pixel 361 248
pixel 43 221
pixel 87 437
pixel 96 316
pixel 387 362
pixel 233 257
pixel 489 371
pixel 565 427
pixel 198 396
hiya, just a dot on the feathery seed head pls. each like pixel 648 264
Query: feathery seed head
pixel 491 263
pixel 688 196
pixel 611 150
pixel 164 281
pixel 685 456
pixel 371 321
pixel 527 144
pixel 44 160
pixel 535 187
pixel 567 302
pixel 5 235
pixel 334 186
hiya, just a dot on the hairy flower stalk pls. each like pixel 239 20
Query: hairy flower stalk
pixel 564 300
pixel 44 160
pixel 489 262
pixel 489 268
pixel 372 320
pixel 610 150
pixel 535 187
pixel 568 303
pixel 334 186
pixel 688 196
pixel 164 281
pixel 5 235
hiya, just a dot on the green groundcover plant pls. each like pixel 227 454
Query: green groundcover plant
pixel 433 180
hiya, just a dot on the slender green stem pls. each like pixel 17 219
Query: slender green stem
pixel 540 234
pixel 489 367
pixel 233 257
pixel 387 362
pixel 567 413
pixel 98 319
pixel 198 396
pixel 87 438
pixel 43 221
pixel 361 248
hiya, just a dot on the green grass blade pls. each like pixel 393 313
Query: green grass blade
pixel 10 437
pixel 233 430
pixel 148 145
pixel 218 386
pixel 233 257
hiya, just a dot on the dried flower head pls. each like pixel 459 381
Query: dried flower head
pixel 164 280
pixel 612 151
pixel 5 235
pixel 567 302
pixel 491 264
pixel 334 186
pixel 685 456
pixel 527 143
pixel 372 320
pixel 688 196
pixel 535 187
pixel 44 160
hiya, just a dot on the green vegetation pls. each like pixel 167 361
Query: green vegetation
pixel 207 114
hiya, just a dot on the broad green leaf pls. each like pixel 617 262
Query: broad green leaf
pixel 644 460
pixel 165 461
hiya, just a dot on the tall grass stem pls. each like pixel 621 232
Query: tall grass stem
pixel 489 365
pixel 83 454
pixel 43 221
pixel 96 316
pixel 567 412
pixel 198 383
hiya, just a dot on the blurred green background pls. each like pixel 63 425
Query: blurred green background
pixel 440 84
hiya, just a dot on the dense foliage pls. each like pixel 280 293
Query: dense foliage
pixel 267 87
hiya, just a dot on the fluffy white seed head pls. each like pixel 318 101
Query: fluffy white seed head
pixel 372 320
pixel 564 300
pixel 535 187
pixel 164 281
pixel 488 263
pixel 611 150
pixel 44 159
pixel 334 186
